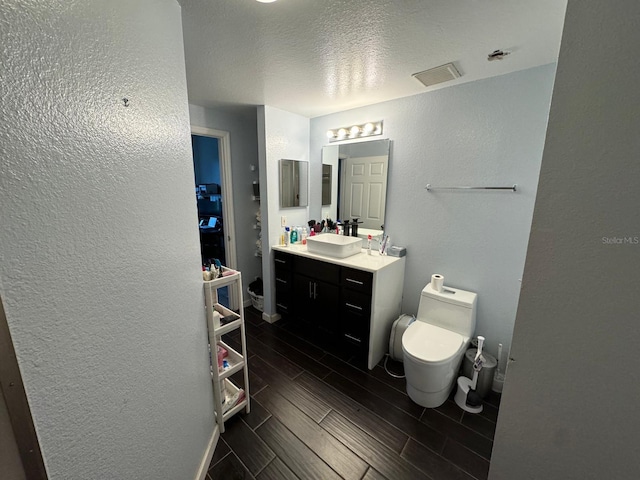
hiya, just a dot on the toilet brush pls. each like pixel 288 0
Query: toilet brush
pixel 473 398
pixel 466 397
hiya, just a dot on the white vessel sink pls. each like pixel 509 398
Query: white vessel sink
pixel 332 245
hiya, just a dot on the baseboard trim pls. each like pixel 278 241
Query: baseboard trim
pixel 208 454
pixel 271 318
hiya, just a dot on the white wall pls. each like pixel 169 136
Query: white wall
pixel 489 132
pixel 99 254
pixel 242 127
pixel 570 403
pixel 281 135
pixel 330 156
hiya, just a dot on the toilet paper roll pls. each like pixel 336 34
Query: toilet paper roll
pixel 437 282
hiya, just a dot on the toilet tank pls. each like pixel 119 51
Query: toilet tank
pixel 452 309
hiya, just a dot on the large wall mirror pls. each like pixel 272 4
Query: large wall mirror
pixel 359 190
pixel 294 183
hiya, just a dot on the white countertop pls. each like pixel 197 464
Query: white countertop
pixel 361 261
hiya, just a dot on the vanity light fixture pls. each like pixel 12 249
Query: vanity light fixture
pixel 266 1
pixel 355 131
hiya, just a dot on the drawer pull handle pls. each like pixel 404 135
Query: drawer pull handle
pixel 357 282
pixel 282 306
pixel 353 306
pixel 350 337
pixel 280 261
pixel 281 280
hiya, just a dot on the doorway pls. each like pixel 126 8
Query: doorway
pixel 206 165
pixel 214 194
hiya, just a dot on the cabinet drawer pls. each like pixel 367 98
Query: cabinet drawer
pixel 355 302
pixel 355 330
pixel 284 280
pixel 283 260
pixel 325 272
pixel 356 279
pixel 283 304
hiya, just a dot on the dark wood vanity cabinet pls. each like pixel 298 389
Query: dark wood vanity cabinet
pixel 332 301
pixel 347 304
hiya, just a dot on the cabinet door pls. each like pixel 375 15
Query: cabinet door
pixel 325 307
pixel 316 304
pixel 303 298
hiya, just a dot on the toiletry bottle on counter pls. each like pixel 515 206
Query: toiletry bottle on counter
pixel 304 235
pixel 294 235
pixel 368 244
pixel 286 236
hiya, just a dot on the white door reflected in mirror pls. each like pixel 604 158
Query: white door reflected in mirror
pixel 361 189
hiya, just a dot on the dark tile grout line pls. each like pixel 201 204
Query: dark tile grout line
pixel 449 439
pixel 221 458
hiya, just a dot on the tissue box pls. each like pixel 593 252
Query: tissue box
pixel 397 251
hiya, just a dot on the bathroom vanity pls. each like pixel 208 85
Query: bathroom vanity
pixel 350 301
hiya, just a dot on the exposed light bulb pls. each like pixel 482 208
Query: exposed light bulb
pixel 355 131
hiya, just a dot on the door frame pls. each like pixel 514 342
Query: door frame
pixel 228 219
pixel 15 398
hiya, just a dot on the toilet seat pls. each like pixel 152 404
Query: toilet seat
pixel 429 344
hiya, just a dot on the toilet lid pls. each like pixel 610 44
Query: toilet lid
pixel 429 343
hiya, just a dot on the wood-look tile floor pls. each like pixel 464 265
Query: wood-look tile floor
pixel 316 415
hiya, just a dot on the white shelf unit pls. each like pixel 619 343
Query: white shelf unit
pixel 237 360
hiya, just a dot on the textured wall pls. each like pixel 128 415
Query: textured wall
pixel 99 254
pixel 242 127
pixel 570 403
pixel 489 132
pixel 280 135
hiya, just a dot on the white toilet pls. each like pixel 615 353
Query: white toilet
pixel 433 346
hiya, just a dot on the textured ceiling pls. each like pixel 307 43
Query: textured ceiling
pixel 315 57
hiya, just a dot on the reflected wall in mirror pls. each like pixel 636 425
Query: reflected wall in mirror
pixel 294 183
pixel 326 184
pixel 361 188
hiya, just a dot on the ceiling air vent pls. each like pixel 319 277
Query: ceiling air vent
pixel 436 75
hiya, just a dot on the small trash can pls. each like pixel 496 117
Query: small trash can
pixel 485 377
